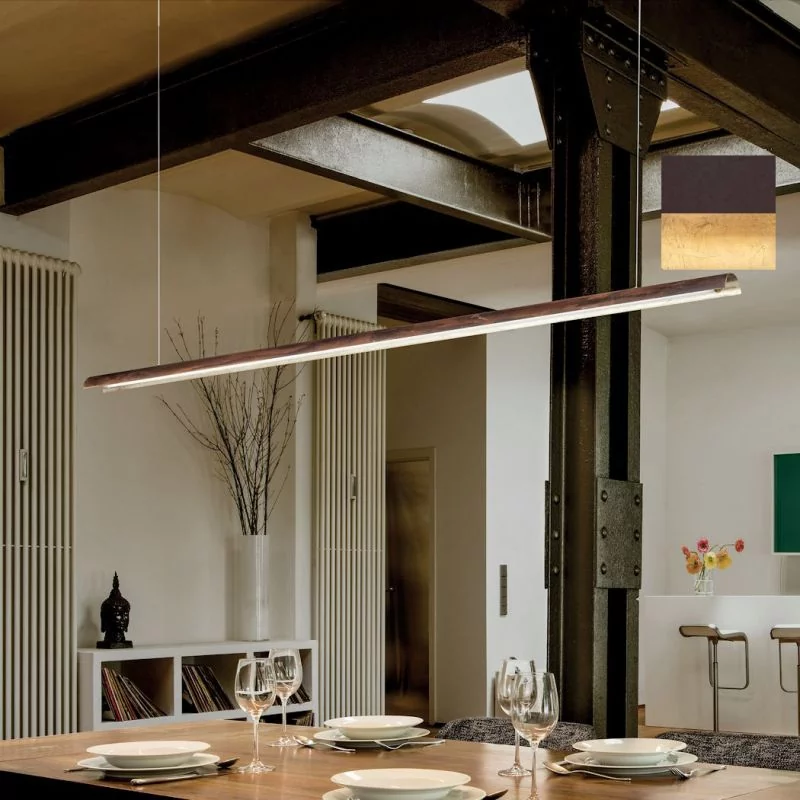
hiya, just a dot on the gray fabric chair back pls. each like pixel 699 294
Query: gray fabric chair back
pixel 741 749
pixel 498 730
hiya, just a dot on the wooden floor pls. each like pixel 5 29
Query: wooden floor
pixel 649 730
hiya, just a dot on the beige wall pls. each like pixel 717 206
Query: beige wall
pixel 147 503
pixel 436 397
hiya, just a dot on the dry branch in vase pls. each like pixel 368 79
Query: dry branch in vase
pixel 247 422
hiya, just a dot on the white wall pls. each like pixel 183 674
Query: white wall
pixel 436 397
pixel 517 444
pixel 732 402
pixel 147 503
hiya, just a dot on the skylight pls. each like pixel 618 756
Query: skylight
pixel 509 102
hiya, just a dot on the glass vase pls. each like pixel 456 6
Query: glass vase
pixel 704 586
pixel 250 594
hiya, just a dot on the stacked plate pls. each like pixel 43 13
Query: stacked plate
pixel 403 784
pixel 370 731
pixel 138 759
pixel 631 758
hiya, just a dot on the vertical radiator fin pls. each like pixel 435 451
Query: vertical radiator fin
pixel 37 663
pixel 350 524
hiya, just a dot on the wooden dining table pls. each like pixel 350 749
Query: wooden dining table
pixel 37 767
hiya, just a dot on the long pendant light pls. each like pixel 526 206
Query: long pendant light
pixel 507 319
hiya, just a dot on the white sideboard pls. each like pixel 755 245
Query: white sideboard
pixel 676 687
pixel 157 671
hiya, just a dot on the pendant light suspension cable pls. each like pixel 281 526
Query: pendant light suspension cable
pixel 637 243
pixel 158 181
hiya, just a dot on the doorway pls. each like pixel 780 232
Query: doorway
pixel 410 582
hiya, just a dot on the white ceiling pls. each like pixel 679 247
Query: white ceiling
pixel 521 275
pixel 788 9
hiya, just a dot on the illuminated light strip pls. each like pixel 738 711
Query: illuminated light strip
pixel 479 324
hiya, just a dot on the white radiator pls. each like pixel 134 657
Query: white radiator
pixel 350 524
pixel 37 358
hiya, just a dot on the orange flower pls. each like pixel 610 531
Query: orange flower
pixel 739 545
pixel 693 564
pixel 710 560
pixel 724 559
pixel 685 550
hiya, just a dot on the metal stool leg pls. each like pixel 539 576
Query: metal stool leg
pixel 715 682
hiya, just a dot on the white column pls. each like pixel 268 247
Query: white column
pixel 293 276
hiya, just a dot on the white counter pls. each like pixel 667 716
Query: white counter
pixel 676 688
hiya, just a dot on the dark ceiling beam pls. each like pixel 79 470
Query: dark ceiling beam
pixel 408 305
pixel 346 57
pixel 395 234
pixel 373 156
pixel 731 64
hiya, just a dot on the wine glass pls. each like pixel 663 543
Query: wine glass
pixel 255 690
pixel 504 690
pixel 288 677
pixel 534 711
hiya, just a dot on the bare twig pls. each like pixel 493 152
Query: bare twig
pixel 248 421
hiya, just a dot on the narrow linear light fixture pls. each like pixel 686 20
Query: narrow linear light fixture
pixel 479 324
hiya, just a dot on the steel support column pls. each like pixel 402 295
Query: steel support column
pixel 586 83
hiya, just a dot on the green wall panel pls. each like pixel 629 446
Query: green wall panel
pixel 787 503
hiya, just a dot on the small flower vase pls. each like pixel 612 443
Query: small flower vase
pixel 704 586
pixel 250 594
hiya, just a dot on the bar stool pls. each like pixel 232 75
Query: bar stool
pixel 714 636
pixel 788 634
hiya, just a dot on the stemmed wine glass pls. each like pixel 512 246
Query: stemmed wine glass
pixel 504 690
pixel 288 677
pixel 255 690
pixel 534 711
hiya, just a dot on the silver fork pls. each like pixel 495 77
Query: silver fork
pixel 429 743
pixel 691 773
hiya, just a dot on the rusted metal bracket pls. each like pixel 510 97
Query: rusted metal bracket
pixel 618 543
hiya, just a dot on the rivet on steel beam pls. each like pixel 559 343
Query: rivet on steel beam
pixel 556 535
pixel 607 130
pixel 611 51
pixel 661 82
pixel 602 45
pixel 627 62
pixel 556 499
pixel 603 568
pixel 636 570
pixel 637 535
pixel 637 500
pixel 556 570
pixel 559 117
pixel 608 106
pixel 603 532
pixel 604 495
pixel 590 39
pixel 608 77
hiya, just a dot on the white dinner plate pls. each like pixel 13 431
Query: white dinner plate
pixel 630 752
pixel 459 793
pixel 586 761
pixel 336 737
pixel 129 755
pixel 193 762
pixel 376 726
pixel 408 784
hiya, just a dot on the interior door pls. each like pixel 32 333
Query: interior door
pixel 410 551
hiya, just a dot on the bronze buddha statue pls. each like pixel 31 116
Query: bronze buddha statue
pixel 114 617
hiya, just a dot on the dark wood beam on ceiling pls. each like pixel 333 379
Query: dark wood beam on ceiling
pixel 734 63
pixel 373 156
pixel 394 234
pixel 409 305
pixel 346 57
